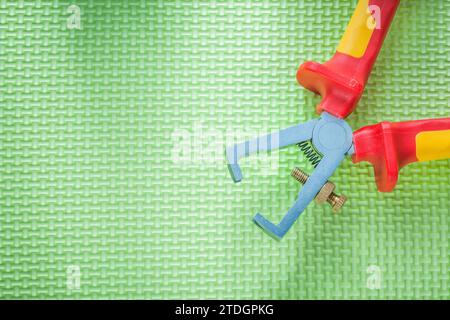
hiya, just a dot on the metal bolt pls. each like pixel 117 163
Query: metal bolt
pixel 325 194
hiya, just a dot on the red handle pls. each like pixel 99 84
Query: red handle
pixel 391 146
pixel 341 80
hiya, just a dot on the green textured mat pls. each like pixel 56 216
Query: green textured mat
pixel 112 182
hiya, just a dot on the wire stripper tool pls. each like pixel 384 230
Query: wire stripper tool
pixel 340 82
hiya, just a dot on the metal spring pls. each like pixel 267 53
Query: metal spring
pixel 310 152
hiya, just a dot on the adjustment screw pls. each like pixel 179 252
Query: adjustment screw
pixel 325 194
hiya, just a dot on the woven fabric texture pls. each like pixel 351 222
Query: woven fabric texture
pixel 112 177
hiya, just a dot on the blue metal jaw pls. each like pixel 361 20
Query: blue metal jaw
pixel 331 136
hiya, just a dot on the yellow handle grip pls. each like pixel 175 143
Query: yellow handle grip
pixel 433 145
pixel 359 31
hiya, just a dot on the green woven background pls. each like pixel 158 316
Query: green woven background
pixel 89 174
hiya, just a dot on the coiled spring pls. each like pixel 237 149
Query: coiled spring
pixel 310 152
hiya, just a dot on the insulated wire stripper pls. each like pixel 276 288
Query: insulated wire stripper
pixel 340 82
